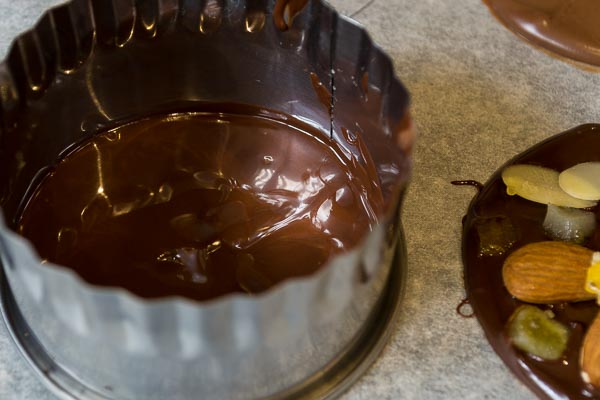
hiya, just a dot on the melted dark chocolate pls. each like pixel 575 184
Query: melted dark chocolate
pixel 202 204
pixel 460 309
pixel 491 302
pixel 468 182
pixel 569 28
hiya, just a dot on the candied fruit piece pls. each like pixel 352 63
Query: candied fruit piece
pixel 496 236
pixel 569 224
pixel 592 280
pixel 535 332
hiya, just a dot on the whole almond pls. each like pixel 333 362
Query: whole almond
pixel 590 354
pixel 548 272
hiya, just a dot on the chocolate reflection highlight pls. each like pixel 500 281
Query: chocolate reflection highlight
pixel 203 204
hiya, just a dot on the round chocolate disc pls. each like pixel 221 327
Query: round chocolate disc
pixel 567 28
pixel 497 224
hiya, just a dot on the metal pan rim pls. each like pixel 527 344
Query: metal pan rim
pixel 337 377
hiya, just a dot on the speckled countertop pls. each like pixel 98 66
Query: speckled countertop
pixel 480 96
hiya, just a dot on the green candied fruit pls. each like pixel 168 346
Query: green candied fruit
pixel 536 332
pixel 496 236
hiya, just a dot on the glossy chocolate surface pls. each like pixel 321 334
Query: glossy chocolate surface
pixel 567 28
pixel 522 220
pixel 202 204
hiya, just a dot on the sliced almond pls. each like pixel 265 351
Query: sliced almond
pixel 539 184
pixel 582 181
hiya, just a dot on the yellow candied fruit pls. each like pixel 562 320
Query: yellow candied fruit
pixel 592 281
